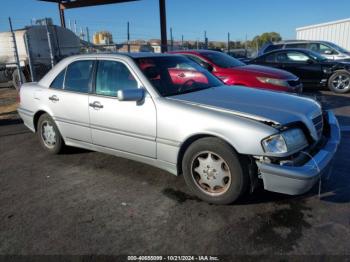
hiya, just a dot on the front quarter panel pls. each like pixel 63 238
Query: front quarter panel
pixel 179 121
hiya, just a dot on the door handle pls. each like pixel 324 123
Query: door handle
pixel 54 98
pixel 96 104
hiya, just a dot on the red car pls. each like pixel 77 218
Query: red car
pixel 234 72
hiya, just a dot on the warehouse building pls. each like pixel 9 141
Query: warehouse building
pixel 337 32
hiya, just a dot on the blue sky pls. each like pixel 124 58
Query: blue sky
pixel 187 17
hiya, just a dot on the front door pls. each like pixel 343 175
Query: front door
pixel 308 70
pixel 126 126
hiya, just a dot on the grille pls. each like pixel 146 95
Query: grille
pixel 318 123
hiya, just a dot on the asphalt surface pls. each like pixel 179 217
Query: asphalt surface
pixel 84 202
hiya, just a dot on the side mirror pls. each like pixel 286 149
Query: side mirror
pixel 328 52
pixel 207 66
pixel 134 94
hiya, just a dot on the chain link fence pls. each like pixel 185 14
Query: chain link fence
pixel 27 54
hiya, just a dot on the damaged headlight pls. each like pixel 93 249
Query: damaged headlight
pixel 287 141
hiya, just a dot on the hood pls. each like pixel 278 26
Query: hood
pixel 344 63
pixel 266 71
pixel 266 106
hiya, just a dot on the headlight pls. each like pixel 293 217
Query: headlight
pixel 273 81
pixel 287 141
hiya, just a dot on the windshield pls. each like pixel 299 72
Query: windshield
pixel 338 48
pixel 175 75
pixel 222 60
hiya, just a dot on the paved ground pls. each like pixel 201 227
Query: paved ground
pixel 84 202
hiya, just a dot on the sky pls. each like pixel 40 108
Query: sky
pixel 190 18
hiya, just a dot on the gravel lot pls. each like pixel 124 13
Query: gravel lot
pixel 84 202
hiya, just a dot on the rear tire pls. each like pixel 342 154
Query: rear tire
pixel 339 82
pixel 15 79
pixel 49 135
pixel 213 172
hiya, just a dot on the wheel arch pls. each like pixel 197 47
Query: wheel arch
pixel 188 141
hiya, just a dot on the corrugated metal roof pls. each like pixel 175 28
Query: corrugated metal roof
pixel 324 24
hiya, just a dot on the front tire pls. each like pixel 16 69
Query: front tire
pixel 213 172
pixel 49 135
pixel 339 82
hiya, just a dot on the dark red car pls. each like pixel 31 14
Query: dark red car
pixel 234 72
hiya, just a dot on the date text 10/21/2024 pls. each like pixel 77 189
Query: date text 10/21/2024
pixel 173 258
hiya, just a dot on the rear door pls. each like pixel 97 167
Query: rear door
pixel 68 97
pixel 268 60
pixel 126 126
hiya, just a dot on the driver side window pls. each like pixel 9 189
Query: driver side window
pixel 295 57
pixel 112 76
pixel 326 50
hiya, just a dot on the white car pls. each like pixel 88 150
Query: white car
pixel 167 111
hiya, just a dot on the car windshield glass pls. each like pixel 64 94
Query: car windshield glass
pixel 338 48
pixel 175 75
pixel 222 60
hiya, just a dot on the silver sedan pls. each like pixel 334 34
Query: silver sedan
pixel 166 111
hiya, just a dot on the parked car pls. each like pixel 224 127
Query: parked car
pixel 167 111
pixel 325 48
pixel 313 69
pixel 234 72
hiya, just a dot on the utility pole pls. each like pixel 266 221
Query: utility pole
pixel 82 36
pixel 49 40
pixel 182 41
pixel 163 27
pixel 87 35
pixel 228 42
pixel 245 45
pixel 205 40
pixel 128 35
pixel 75 26
pixel 197 44
pixel 171 39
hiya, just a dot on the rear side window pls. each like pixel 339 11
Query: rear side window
pixel 113 76
pixel 57 83
pixel 78 76
pixel 297 45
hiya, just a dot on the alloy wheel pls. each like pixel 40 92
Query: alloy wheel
pixel 341 82
pixel 211 173
pixel 48 134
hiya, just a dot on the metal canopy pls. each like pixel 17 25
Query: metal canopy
pixel 67 4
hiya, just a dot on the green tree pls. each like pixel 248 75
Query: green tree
pixel 260 40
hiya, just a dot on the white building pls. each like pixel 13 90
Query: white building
pixel 337 32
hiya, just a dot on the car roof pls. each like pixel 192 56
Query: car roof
pixel 289 49
pixel 194 51
pixel 122 54
pixel 298 41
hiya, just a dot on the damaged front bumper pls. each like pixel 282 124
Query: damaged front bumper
pixel 295 180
